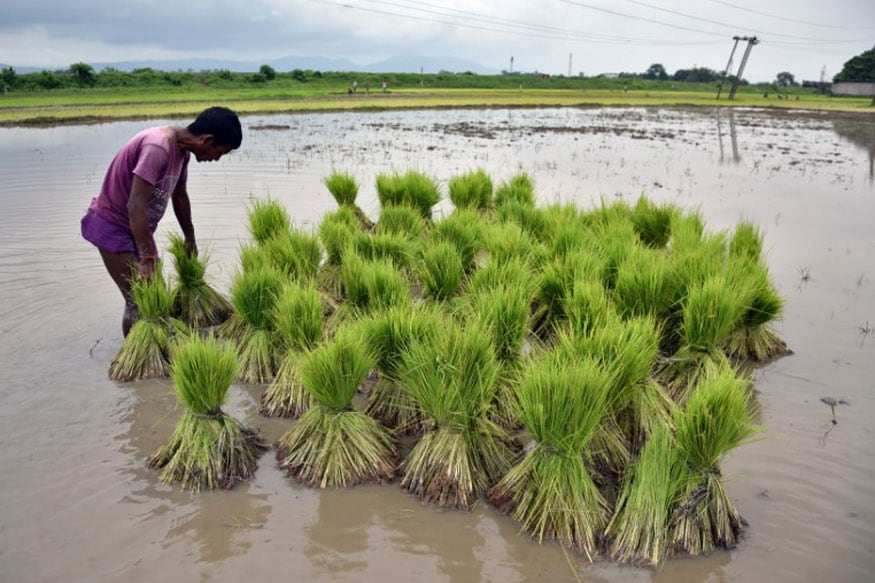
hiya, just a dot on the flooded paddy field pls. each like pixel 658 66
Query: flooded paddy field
pixel 77 502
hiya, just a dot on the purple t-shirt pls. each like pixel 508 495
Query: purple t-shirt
pixel 154 156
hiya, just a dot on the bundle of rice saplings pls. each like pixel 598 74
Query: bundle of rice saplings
pixel 332 444
pixel 146 352
pixel 209 448
pixel 195 301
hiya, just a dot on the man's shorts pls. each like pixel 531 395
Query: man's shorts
pixel 109 236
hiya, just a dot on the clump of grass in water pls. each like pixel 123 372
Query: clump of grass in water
pixel 551 491
pixel 462 452
pixel 146 351
pixel 332 445
pixel 298 321
pixel 254 295
pixel 518 189
pixel 195 301
pixel 471 190
pixel 387 335
pixel 754 337
pixel 209 448
pixel 344 188
pixel 267 219
pixel 718 417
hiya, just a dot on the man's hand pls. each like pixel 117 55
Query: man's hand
pixel 191 247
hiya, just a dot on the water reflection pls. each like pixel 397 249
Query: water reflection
pixel 861 133
pixel 730 113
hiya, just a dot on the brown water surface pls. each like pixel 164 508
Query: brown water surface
pixel 78 504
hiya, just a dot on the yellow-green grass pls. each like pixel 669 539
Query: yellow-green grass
pixel 81 107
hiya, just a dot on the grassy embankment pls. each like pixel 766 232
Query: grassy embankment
pixel 97 104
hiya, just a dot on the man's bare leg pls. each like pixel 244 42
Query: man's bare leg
pixel 121 266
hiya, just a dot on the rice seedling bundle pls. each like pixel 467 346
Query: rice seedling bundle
pixel 209 448
pixel 333 445
pixel 294 253
pixel 267 219
pixel 253 257
pixel 586 307
pixel 390 190
pixel 336 232
pixel 615 242
pixel 551 491
pixel 718 417
pixel 344 188
pixel 471 190
pixel 608 215
pixel 146 351
pixel 462 452
pixel 400 220
pixel 516 273
pixel 643 284
pixel 529 217
pixel 387 336
pixel 464 229
pixel 518 189
pixel 638 531
pixel 746 241
pixel 397 247
pixel 371 286
pixel 421 192
pixel 298 321
pixel 195 301
pixel 441 270
pixel 555 284
pixel 652 222
pixel 507 241
pixel 710 313
pixel 754 337
pixel 254 295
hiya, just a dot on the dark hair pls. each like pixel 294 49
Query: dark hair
pixel 222 123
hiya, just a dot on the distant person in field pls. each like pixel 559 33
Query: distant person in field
pixel 148 172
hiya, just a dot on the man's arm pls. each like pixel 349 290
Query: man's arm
pixel 138 207
pixel 182 210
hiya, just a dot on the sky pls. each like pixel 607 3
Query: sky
pixel 807 38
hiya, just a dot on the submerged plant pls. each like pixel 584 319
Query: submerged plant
pixel 298 321
pixel 462 452
pixel 333 445
pixel 209 448
pixel 146 351
pixel 551 491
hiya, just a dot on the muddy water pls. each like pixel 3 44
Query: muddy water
pixel 77 502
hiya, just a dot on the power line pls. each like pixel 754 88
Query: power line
pixel 644 19
pixel 787 19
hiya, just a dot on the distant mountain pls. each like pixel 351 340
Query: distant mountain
pixel 395 64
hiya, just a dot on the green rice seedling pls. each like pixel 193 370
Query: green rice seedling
pixel 344 188
pixel 387 335
pixel 565 230
pixel 718 417
pixel 336 232
pixel 551 491
pixel 209 448
pixel 254 295
pixel 395 247
pixel 555 284
pixel 464 229
pixel 462 452
pixel 267 219
pixel 638 531
pixel 530 218
pixel 506 241
pixel 746 241
pixel 609 215
pixel 518 189
pixel 253 257
pixel 471 190
pixel 710 313
pixel 371 286
pixel 298 321
pixel 615 242
pixel 146 351
pixel 295 253
pixel 586 307
pixel 400 220
pixel 421 192
pixel 687 230
pixel 515 272
pixel 643 284
pixel 195 301
pixel 390 190
pixel 754 337
pixel 652 222
pixel 441 270
pixel 333 445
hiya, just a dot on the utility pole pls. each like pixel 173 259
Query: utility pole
pixel 728 65
pixel 751 41
pixel 569 64
pixel 511 64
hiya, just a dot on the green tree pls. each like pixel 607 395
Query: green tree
pixel 785 79
pixel 9 78
pixel 656 71
pixel 84 74
pixel 267 72
pixel 859 69
pixel 299 75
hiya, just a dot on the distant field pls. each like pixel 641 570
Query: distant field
pixel 107 104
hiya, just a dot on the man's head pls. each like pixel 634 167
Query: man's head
pixel 219 131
